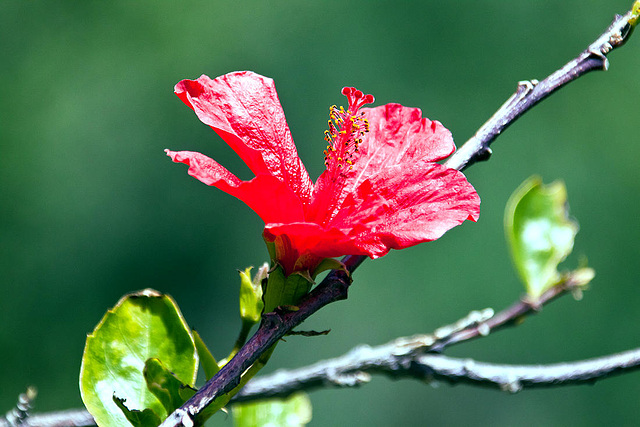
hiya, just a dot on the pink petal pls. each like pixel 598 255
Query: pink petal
pixel 403 205
pixel 399 136
pixel 266 195
pixel 244 109
pixel 301 245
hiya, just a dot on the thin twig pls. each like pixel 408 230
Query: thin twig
pixel 275 325
pixel 406 357
pixel 571 282
pixel 355 369
pixel 529 93
pixel 67 418
pixel 514 378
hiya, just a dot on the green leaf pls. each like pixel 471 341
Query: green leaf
pixel 146 418
pixel 251 304
pixel 208 362
pixel 635 14
pixel 164 385
pixel 141 326
pixel 539 232
pixel 295 411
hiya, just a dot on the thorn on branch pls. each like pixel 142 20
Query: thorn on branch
pixel 483 154
pixel 526 86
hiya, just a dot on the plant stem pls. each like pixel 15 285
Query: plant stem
pixel 335 286
pixel 530 93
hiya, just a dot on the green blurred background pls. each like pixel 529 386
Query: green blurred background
pixel 91 208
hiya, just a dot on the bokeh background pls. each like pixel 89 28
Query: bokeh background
pixel 91 208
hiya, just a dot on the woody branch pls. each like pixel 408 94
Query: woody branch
pixel 335 287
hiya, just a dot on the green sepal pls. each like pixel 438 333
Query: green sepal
pixel 283 290
pixel 141 326
pixel 329 264
pixel 294 411
pixel 208 362
pixel 539 232
pixel 298 285
pixel 137 418
pixel 164 385
pixel 251 304
pixel 187 393
pixel 271 248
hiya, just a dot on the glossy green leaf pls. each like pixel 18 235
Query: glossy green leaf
pixel 251 303
pixel 539 232
pixel 141 326
pixel 145 418
pixel 208 362
pixel 294 411
pixel 165 385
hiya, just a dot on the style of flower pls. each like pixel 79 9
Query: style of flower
pixel 381 189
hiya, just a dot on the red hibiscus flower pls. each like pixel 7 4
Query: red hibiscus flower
pixel 381 189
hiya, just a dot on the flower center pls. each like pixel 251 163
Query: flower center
pixel 345 132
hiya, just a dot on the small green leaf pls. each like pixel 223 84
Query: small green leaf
pixel 208 362
pixel 295 411
pixel 164 384
pixel 635 13
pixel 141 326
pixel 251 304
pixel 146 418
pixel 539 232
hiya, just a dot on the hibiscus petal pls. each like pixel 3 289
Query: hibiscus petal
pixel 403 205
pixel 399 135
pixel 308 243
pixel 266 195
pixel 244 109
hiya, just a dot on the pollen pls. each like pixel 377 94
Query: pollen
pixel 346 129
